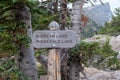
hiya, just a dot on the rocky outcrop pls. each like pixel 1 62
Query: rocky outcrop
pixel 99 13
pixel 95 74
pixel 98 38
pixel 89 72
pixel 115 43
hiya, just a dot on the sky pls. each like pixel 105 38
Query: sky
pixel 113 4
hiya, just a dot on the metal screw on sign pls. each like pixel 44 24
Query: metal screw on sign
pixel 54 57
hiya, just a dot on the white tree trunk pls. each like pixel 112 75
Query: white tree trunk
pixel 76 16
pixel 74 67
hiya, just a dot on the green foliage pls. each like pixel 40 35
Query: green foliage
pixel 9 70
pixel 42 71
pixel 12 36
pixel 90 29
pixel 86 51
pixel 12 32
pixel 41 16
pixel 112 27
pixel 41 51
pixel 106 50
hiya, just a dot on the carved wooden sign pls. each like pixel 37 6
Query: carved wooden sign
pixel 54 39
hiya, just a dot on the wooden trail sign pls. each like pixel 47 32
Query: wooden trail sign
pixel 54 39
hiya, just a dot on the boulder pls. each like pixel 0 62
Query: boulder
pixel 95 74
pixel 98 38
pixel 115 43
pixel 89 72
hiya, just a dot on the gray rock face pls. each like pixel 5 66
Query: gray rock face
pixel 98 38
pixel 99 13
pixel 95 74
pixel 115 43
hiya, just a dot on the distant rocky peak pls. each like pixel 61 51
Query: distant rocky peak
pixel 99 13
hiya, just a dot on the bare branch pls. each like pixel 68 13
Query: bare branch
pixel 43 60
pixel 91 2
pixel 2 11
pixel 101 2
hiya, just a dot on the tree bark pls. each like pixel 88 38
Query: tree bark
pixel 75 66
pixel 76 16
pixel 74 70
pixel 43 60
pixel 63 14
pixel 26 55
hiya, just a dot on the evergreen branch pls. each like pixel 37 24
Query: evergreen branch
pixel 6 9
pixel 5 17
pixel 6 21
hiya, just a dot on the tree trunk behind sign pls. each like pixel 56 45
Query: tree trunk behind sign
pixel 26 55
pixel 74 66
pixel 70 69
pixel 63 21
pixel 76 16
pixel 63 14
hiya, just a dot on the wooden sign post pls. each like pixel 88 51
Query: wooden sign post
pixel 54 58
